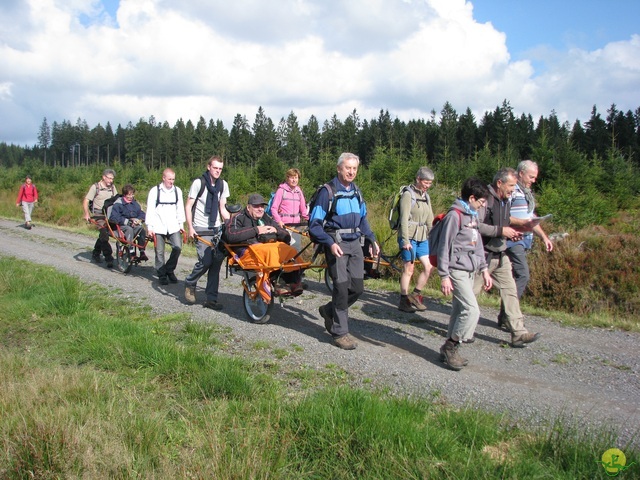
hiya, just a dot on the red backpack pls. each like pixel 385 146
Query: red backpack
pixel 434 235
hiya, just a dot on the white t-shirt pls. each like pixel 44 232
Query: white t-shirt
pixel 200 218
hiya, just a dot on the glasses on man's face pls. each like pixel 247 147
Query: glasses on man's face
pixel 130 195
pixel 109 178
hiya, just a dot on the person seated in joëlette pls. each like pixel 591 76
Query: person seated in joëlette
pixel 128 215
pixel 269 244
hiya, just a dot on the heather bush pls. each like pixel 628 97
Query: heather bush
pixel 593 271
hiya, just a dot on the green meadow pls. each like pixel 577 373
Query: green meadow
pixel 95 387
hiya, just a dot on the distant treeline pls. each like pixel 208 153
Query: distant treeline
pixel 589 171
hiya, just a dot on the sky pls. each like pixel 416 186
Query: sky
pixel 119 61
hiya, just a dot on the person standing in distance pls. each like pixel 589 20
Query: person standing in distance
pixel 165 220
pixel 206 213
pixel 339 223
pixel 95 197
pixel 27 198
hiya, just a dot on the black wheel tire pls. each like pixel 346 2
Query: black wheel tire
pixel 125 262
pixel 257 310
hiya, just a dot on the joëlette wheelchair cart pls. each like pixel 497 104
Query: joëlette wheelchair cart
pixel 124 260
pixel 373 266
pixel 261 267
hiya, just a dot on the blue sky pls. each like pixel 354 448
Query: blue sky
pixel 560 24
pixel 119 61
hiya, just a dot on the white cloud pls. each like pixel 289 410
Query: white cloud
pixel 66 60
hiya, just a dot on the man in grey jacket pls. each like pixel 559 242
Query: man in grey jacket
pixel 460 255
pixel 495 230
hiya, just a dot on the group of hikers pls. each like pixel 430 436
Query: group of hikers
pixel 481 242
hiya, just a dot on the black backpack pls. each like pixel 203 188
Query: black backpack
pixel 108 205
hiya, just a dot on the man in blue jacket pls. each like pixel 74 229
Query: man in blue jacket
pixel 338 221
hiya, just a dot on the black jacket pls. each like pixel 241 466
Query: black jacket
pixel 242 228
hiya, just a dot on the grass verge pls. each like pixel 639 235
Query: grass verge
pixel 94 387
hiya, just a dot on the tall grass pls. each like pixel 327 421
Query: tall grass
pixel 93 387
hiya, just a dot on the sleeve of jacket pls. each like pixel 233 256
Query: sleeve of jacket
pixel 152 219
pixel 485 229
pixel 241 230
pixel 35 193
pixel 304 211
pixel 405 214
pixel 180 213
pixel 20 194
pixel 316 219
pixel 117 214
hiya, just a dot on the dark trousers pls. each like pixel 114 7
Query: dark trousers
pixel 209 261
pixel 102 243
pixel 347 273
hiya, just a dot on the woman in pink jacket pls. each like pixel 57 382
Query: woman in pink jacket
pixel 289 206
pixel 27 198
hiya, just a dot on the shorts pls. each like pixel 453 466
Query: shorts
pixel 419 250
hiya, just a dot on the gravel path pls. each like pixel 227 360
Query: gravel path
pixel 586 375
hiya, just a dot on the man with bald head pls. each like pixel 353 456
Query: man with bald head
pixel 165 220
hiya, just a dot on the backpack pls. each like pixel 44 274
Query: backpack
pixel 434 235
pixel 158 202
pixel 97 185
pixel 355 192
pixel 108 205
pixel 394 206
pixel 267 209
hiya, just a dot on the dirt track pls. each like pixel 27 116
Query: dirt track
pixel 587 375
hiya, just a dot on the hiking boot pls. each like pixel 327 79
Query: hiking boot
pixel 522 340
pixel 345 342
pixel 415 299
pixel 143 256
pixel 405 305
pixel 163 280
pixel 470 340
pixel 212 304
pixel 326 314
pixel 451 357
pixel 95 257
pixel 190 294
pixel 172 277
